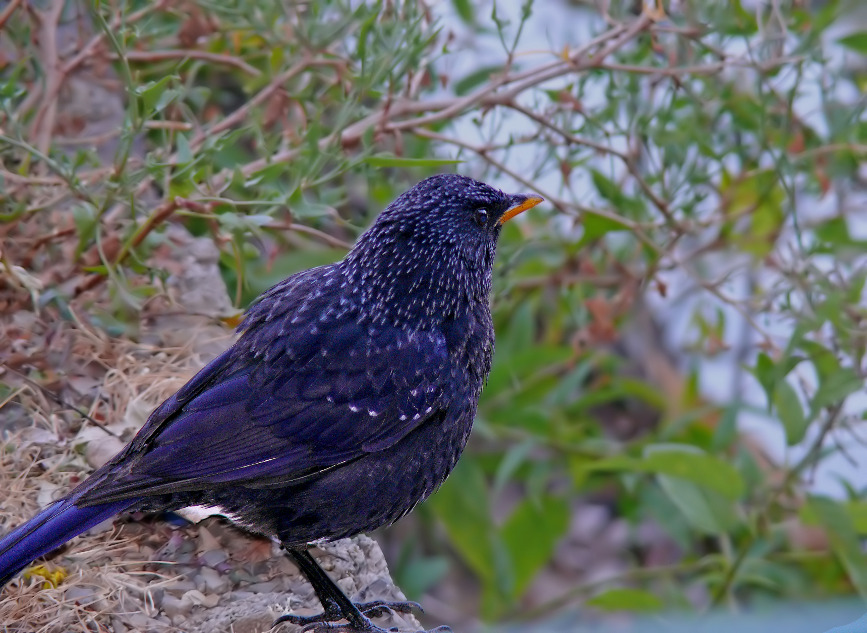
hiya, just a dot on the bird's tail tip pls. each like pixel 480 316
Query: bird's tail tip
pixel 47 531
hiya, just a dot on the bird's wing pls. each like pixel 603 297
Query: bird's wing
pixel 290 400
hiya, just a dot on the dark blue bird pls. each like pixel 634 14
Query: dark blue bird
pixel 346 400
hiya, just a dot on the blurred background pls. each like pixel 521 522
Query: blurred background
pixel 672 436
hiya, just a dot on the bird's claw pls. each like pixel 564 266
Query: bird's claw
pixel 324 622
pixel 381 607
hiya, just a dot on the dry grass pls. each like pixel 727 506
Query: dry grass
pixel 75 396
pixel 40 462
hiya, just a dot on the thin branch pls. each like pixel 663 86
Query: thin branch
pixel 320 235
pixel 8 11
pixel 215 58
pixel 43 122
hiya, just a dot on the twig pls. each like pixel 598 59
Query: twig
pixel 321 235
pixel 8 11
pixel 89 49
pixel 43 122
pixel 216 58
pixel 241 113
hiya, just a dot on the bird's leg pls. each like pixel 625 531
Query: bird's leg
pixel 336 606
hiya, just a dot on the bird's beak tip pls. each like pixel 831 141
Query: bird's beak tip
pixel 522 203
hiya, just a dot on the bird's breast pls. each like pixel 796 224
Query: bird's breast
pixel 469 337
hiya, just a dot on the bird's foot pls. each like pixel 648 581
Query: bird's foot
pixel 325 622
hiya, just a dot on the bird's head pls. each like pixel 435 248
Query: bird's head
pixel 435 244
pixel 453 209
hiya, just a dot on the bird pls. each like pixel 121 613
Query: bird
pixel 345 401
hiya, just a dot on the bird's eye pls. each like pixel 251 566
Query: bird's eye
pixel 481 217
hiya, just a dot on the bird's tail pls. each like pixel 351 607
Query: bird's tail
pixel 48 530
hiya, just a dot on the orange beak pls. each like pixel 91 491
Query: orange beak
pixel 520 204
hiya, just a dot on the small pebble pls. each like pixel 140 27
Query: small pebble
pixel 173 606
pixel 197 598
pixel 139 622
pixel 180 587
pixel 213 581
pixel 156 596
pixel 81 595
pixel 214 557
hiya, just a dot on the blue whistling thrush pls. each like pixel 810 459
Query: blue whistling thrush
pixel 346 400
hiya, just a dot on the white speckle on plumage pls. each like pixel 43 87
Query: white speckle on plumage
pixel 423 266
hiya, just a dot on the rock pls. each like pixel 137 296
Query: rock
pixel 173 606
pixel 180 586
pixel 197 598
pixel 214 558
pixel 356 564
pixel 81 595
pixel 263 587
pixel 213 581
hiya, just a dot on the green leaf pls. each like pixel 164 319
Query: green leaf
pixel 684 462
pixel 86 222
pixel 546 520
pixel 415 574
pixel 464 9
pixel 151 93
pixel 461 504
pixel 726 432
pixel 185 152
pixel 595 226
pixel 856 42
pixel 835 388
pixel 842 535
pixel 791 413
pixel 769 373
pixel 390 160
pixel 703 509
pixel 623 599
pixel 510 371
pixel 857 511
pixel 614 194
pixel 834 231
pixel 760 197
pixel 687 462
pixel 512 460
pixel 302 208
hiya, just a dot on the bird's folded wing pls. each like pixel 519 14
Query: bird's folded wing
pixel 302 405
